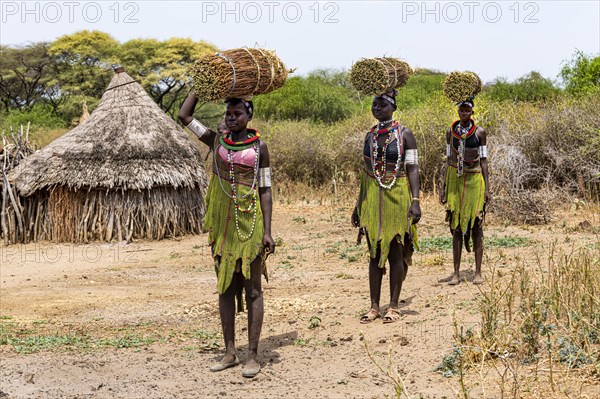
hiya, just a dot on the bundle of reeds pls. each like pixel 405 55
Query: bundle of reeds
pixel 459 86
pixel 374 76
pixel 240 72
pixel 13 225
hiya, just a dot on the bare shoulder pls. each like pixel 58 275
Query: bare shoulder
pixel 265 160
pixel 409 138
pixel 407 131
pixel 481 135
pixel 263 146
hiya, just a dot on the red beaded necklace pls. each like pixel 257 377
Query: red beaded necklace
pixel 469 133
pixel 385 130
pixel 253 136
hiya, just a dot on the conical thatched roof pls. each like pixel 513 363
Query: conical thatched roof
pixel 128 143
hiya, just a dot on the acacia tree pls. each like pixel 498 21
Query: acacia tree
pixel 25 73
pixel 78 67
pixel 161 66
pixel 84 61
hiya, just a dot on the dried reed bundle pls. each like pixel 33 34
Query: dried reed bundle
pixel 12 221
pixel 478 84
pixel 459 86
pixel 240 72
pixel 374 76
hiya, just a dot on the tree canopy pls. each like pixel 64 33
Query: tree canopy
pixel 74 68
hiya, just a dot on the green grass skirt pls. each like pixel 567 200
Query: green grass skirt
pixel 227 246
pixel 464 198
pixel 384 215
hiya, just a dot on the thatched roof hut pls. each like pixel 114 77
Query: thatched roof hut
pixel 129 171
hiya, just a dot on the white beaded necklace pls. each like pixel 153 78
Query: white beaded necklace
pixel 253 207
pixel 375 154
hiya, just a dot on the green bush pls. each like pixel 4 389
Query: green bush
pixel 582 73
pixel 319 97
pixel 418 89
pixel 531 87
pixel 40 116
pixel 299 151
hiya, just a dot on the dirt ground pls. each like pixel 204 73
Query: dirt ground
pixel 141 320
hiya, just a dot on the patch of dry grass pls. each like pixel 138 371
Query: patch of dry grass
pixel 540 329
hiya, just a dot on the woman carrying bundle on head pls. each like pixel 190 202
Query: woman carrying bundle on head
pixel 238 219
pixel 465 190
pixel 388 203
pixel 239 204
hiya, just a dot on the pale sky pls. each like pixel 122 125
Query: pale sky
pixel 493 38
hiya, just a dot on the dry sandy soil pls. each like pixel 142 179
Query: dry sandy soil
pixel 141 320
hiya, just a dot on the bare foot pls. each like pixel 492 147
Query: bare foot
pixel 478 279
pixel 455 280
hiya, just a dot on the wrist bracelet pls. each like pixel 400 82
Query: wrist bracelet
pixel 415 199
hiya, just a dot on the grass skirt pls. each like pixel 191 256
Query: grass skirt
pixel 384 215
pixel 227 247
pixel 464 198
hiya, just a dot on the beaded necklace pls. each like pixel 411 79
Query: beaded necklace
pixel 462 134
pixel 234 195
pixel 229 144
pixel 379 167
pixel 382 124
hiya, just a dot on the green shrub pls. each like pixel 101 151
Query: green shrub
pixel 582 73
pixel 299 151
pixel 418 90
pixel 41 118
pixel 317 97
pixel 531 87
